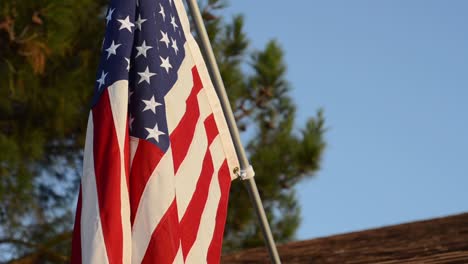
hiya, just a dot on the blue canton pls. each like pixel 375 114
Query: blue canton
pixel 144 44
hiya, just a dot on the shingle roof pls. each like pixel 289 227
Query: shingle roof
pixel 440 240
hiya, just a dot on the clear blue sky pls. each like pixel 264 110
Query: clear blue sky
pixel 392 77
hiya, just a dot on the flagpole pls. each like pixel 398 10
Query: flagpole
pixel 243 161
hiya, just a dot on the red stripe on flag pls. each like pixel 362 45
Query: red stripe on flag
pixel 107 164
pixel 214 251
pixel 147 157
pixel 211 128
pixel 182 136
pixel 191 220
pixel 76 241
pixel 165 239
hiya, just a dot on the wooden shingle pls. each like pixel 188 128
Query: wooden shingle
pixel 439 240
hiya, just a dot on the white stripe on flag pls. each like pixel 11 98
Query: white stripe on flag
pixel 118 96
pixel 193 51
pixel 199 250
pixel 179 258
pixel 176 97
pixel 93 248
pixel 189 170
pixel 156 198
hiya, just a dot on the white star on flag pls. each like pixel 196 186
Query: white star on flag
pixel 130 93
pixel 112 49
pixel 174 24
pixel 151 104
pixel 128 64
pixel 102 79
pixel 154 133
pixel 140 21
pixel 145 76
pixel 130 121
pixel 109 15
pixel 142 49
pixel 165 39
pixel 174 46
pixel 125 23
pixel 165 63
pixel 162 12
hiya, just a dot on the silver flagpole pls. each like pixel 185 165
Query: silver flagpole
pixel 244 163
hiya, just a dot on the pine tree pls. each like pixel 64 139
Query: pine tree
pixel 49 52
pixel 48 59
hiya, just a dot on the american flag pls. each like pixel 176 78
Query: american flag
pixel 158 157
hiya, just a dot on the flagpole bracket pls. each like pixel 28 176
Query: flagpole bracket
pixel 245 174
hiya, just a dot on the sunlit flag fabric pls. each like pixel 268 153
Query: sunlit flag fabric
pixel 158 157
